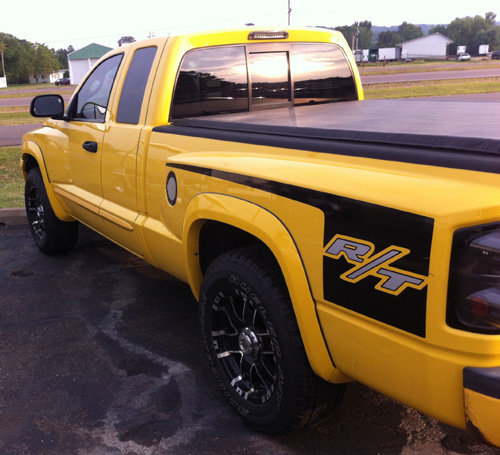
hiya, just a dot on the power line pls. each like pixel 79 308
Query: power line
pixel 161 31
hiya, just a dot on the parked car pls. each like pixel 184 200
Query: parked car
pixel 463 57
pixel 63 81
pixel 495 55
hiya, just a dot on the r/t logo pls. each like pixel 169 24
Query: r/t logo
pixel 366 263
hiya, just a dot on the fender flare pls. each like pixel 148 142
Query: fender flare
pixel 32 149
pixel 265 226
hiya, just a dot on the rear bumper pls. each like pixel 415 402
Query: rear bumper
pixel 482 403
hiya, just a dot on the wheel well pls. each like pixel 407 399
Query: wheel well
pixel 30 163
pixel 218 238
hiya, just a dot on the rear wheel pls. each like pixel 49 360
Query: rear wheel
pixel 254 345
pixel 51 235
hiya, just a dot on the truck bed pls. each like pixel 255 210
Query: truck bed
pixel 464 135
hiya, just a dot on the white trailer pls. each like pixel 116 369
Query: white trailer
pixel 389 53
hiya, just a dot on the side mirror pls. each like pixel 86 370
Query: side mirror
pixel 47 106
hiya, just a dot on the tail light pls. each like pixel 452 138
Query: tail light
pixel 474 290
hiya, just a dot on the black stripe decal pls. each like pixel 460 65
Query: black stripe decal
pixel 470 154
pixel 381 226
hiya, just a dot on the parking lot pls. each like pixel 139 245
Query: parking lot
pixel 100 355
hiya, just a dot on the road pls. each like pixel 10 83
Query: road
pixel 367 79
pixel 11 135
pixel 100 354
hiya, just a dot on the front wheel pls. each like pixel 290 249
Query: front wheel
pixel 254 345
pixel 51 235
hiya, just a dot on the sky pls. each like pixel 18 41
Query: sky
pixel 61 24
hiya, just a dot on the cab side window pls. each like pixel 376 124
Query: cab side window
pixel 129 109
pixel 91 102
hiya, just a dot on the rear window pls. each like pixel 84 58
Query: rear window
pixel 211 81
pixel 321 74
pixel 242 78
pixel 270 77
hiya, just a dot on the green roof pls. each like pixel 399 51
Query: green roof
pixel 91 51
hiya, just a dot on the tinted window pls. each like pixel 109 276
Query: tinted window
pixel 211 81
pixel 321 74
pixel 92 99
pixel 270 77
pixel 129 109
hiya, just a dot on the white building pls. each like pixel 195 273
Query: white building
pixel 51 78
pixel 433 46
pixel 83 59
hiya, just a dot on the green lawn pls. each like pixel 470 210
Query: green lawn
pixel 29 91
pixel 11 178
pixel 17 117
pixel 432 88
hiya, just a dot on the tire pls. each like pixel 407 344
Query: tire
pixel 51 235
pixel 254 346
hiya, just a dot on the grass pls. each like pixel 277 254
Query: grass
pixel 432 88
pixel 27 87
pixel 11 178
pixel 26 91
pixel 17 117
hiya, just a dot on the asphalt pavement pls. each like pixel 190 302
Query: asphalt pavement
pixel 368 79
pixel 100 354
pixel 11 135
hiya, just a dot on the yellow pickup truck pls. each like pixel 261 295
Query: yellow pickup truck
pixel 327 239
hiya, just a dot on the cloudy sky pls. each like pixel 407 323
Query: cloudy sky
pixel 60 24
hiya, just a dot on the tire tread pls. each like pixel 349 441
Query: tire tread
pixel 316 398
pixel 60 236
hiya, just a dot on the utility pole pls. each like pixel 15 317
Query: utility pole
pixel 3 80
pixel 289 12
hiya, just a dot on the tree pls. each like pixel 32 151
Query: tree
pixel 43 61
pixel 358 35
pixel 491 17
pixel 126 40
pixel 474 31
pixel 365 35
pixel 388 39
pixel 408 32
pixel 443 29
pixel 17 58
pixel 62 56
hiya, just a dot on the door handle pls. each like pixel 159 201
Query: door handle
pixel 90 146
